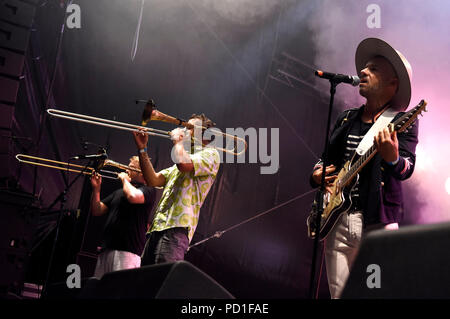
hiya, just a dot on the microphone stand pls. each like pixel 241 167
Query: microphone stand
pixel 62 198
pixel 320 194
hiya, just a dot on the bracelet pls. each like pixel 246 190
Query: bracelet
pixel 143 150
pixel 394 162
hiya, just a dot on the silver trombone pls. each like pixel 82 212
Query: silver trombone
pixel 107 123
pixel 149 115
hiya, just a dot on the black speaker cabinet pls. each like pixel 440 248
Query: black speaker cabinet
pixel 60 291
pixel 412 262
pixel 178 280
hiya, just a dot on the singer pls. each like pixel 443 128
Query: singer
pixel 376 198
pixel 127 211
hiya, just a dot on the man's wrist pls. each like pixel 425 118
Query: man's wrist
pixel 143 150
pixel 394 162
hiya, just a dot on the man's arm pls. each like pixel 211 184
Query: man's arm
pixel 151 177
pixel 315 178
pixel 97 207
pixel 179 154
pixel 182 158
pixel 133 194
pixel 406 143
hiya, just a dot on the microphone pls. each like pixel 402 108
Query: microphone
pixel 339 78
pixel 93 156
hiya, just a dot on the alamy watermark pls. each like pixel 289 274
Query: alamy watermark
pixel 74 279
pixel 374 279
pixel 73 20
pixel 374 19
pixel 258 149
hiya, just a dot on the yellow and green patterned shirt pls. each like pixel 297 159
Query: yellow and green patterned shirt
pixel 184 193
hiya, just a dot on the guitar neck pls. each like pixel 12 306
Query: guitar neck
pixel 358 165
pixel 400 125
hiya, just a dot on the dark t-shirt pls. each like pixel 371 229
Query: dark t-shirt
pixel 126 223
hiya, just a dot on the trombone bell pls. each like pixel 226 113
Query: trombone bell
pixel 152 114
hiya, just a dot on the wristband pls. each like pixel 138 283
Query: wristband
pixel 143 150
pixel 394 162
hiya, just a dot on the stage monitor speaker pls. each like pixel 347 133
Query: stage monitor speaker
pixel 409 263
pixel 178 280
pixel 60 291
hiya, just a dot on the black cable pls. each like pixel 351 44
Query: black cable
pixel 219 233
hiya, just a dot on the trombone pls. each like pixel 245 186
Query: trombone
pixel 107 123
pixel 150 114
pixel 75 168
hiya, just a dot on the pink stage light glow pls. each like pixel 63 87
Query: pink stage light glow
pixel 447 185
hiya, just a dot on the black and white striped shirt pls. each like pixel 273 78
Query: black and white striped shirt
pixel 356 134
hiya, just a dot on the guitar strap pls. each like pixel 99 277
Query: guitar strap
pixel 383 120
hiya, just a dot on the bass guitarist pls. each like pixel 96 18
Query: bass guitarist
pixel 376 196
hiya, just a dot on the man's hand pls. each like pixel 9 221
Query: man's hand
pixel 96 181
pixel 317 177
pixel 97 207
pixel 141 139
pixel 124 177
pixel 387 145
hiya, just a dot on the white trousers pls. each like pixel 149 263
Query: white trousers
pixel 113 260
pixel 341 248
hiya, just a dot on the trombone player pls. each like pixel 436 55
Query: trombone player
pixel 186 185
pixel 127 211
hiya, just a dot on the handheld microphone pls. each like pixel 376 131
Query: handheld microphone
pixel 339 78
pixel 93 156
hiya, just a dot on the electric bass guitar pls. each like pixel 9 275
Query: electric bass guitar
pixel 339 200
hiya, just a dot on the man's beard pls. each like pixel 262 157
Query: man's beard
pixel 369 91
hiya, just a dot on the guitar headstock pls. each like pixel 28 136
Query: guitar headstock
pixel 406 121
